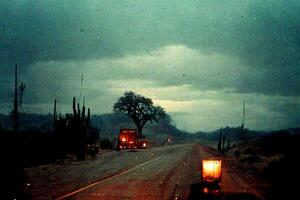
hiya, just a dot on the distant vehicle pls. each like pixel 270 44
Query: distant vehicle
pixel 92 150
pixel 143 144
pixel 168 140
pixel 211 176
pixel 128 139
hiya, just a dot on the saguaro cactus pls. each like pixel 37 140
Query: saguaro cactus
pixel 15 111
pixel 80 125
pixel 228 145
pixel 72 129
pixel 79 115
pixel 54 111
pixel 220 141
pixel 223 144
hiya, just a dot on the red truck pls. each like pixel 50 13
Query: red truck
pixel 128 139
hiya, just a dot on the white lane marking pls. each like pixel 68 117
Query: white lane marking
pixel 106 179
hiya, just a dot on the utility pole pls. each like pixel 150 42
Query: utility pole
pixel 81 84
pixel 15 112
pixel 243 133
pixel 22 88
pixel 243 120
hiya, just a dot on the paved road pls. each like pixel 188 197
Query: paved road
pixel 174 174
pixel 164 177
pixel 160 173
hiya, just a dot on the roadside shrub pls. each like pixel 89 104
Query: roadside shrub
pixel 237 153
pixel 283 176
pixel 105 143
pixel 92 150
pixel 251 159
pixel 250 150
pixel 271 170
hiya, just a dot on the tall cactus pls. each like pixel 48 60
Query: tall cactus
pixel 88 118
pixel 54 111
pixel 80 125
pixel 72 129
pixel 74 107
pixel 223 144
pixel 79 115
pixel 78 112
pixel 83 112
pixel 15 111
pixel 228 145
pixel 220 141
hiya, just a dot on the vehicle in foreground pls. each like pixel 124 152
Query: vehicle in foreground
pixel 211 175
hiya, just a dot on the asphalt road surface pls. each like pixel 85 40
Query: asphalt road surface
pixel 171 172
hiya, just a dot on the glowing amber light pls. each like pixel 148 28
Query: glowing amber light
pixel 144 144
pixel 211 169
pixel 123 140
pixel 205 190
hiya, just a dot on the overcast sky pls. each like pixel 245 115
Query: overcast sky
pixel 199 59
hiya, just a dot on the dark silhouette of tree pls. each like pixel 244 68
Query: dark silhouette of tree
pixel 140 109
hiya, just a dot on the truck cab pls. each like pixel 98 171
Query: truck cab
pixel 127 139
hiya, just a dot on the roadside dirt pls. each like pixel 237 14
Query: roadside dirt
pixel 235 183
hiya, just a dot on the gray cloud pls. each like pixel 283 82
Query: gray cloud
pixel 228 47
pixel 265 35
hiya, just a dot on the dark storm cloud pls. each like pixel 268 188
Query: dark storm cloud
pixel 34 31
pixel 269 42
pixel 265 34
pixel 230 47
pixel 46 30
